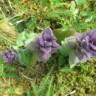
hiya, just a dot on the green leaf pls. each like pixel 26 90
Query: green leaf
pixel 21 39
pixel 61 60
pixel 73 59
pixel 18 23
pixel 20 26
pixel 26 57
pixel 31 23
pixel 24 39
pixel 30 37
pixel 66 45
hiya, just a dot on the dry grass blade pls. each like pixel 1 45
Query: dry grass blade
pixel 7 33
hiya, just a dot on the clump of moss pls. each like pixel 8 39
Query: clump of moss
pixel 82 80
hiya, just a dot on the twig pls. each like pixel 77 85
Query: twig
pixel 26 77
pixel 71 93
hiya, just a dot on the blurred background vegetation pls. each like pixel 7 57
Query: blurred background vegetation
pixel 65 17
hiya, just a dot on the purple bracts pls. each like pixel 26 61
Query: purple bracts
pixel 9 56
pixel 86 45
pixel 46 45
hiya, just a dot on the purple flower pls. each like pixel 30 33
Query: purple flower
pixel 9 56
pixel 45 45
pixel 86 45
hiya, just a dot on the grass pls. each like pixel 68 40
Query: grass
pixel 80 81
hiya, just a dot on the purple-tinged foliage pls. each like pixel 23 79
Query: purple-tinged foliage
pixel 9 56
pixel 45 45
pixel 79 48
pixel 86 45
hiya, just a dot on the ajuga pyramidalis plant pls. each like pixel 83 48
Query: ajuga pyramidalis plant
pixel 79 48
pixel 87 42
pixel 44 45
pixel 9 56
